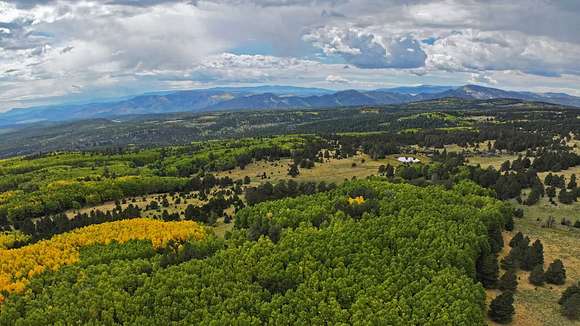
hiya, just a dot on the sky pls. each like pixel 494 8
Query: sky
pixel 73 51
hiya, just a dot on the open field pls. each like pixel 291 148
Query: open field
pixel 538 305
pixel 566 173
pixel 494 161
pixel 142 202
pixel 219 228
pixel 331 171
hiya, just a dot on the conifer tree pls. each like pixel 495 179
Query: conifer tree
pixel 495 238
pixel 516 239
pixel 571 307
pixel 509 224
pixel 556 273
pixel 293 171
pixel 569 292
pixel 537 253
pixel 572 184
pixel 487 270
pixel 501 309
pixel 508 281
pixel 537 276
pixel 509 262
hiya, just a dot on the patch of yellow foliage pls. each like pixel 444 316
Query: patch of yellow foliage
pixel 357 200
pixel 7 239
pixel 6 196
pixel 17 266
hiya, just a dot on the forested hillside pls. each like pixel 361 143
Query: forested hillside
pixel 399 254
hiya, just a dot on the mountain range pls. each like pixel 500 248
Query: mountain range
pixel 266 97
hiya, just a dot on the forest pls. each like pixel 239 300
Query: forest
pixel 413 251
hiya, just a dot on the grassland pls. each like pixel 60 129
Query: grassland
pixel 333 170
pixel 219 228
pixel 538 305
pixel 486 161
pixel 566 173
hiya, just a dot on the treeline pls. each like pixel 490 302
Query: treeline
pixel 53 183
pixel 283 189
pixel 46 227
pixel 226 155
pixel 61 196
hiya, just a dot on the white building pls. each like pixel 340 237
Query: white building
pixel 409 159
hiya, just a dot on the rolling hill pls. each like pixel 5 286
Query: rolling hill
pixel 266 97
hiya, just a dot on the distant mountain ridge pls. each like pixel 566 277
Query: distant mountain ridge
pixel 267 97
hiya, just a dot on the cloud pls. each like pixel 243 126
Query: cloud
pixel 480 78
pixel 473 50
pixel 334 79
pixel 366 49
pixel 228 67
pixel 62 50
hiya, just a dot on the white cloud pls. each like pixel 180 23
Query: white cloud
pixel 366 49
pixel 57 50
pixel 334 79
pixel 480 51
pixel 480 78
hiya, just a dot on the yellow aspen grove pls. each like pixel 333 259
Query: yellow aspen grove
pixel 17 266
pixel 357 200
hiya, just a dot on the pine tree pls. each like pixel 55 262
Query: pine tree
pixel 501 309
pixel 556 273
pixel 509 262
pixel 572 184
pixel 527 260
pixel 516 239
pixel 570 291
pixel 508 281
pixel 537 253
pixel 487 270
pixel 537 276
pixel 390 171
pixel 495 238
pixel 509 224
pixel 293 171
pixel 571 307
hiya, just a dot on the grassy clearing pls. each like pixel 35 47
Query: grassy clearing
pixel 331 171
pixel 538 305
pixel 219 228
pixel 141 203
pixel 486 161
pixel 566 173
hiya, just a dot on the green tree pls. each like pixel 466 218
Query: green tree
pixel 518 238
pixel 572 184
pixel 501 309
pixel 293 171
pixel 571 307
pixel 537 254
pixel 508 281
pixel 556 273
pixel 570 291
pixel 537 276
pixel 509 262
pixel 390 171
pixel 487 270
